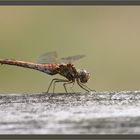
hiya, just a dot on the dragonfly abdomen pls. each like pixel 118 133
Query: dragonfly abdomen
pixel 51 69
pixel 17 63
pixel 46 68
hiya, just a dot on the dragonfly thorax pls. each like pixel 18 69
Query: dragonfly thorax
pixel 83 76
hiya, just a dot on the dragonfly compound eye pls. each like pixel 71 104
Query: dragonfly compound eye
pixel 84 76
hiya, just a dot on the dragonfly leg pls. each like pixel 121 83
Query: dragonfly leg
pixel 59 80
pixel 68 82
pixel 87 87
pixel 51 84
pixel 82 86
pixel 72 87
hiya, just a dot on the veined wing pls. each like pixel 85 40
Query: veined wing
pixel 48 58
pixel 52 58
pixel 71 59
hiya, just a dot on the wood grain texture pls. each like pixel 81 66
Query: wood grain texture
pixel 75 113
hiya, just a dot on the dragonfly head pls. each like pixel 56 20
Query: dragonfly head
pixel 84 76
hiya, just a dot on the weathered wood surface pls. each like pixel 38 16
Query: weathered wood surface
pixel 75 113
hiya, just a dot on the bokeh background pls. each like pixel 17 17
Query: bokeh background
pixel 108 35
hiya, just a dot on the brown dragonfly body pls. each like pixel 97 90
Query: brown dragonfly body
pixel 66 70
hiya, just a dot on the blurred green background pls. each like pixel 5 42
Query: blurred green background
pixel 108 35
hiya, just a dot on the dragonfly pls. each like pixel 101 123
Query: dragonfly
pixel 49 63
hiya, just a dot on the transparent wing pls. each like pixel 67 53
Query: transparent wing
pixel 52 58
pixel 48 58
pixel 71 59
